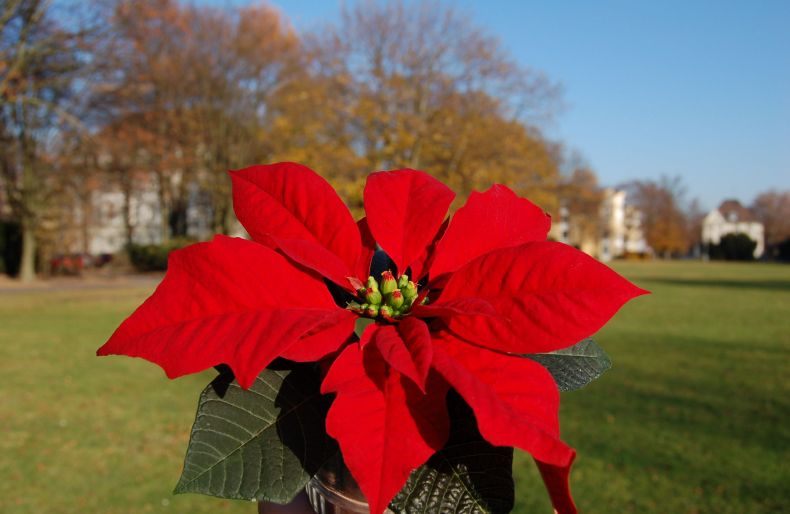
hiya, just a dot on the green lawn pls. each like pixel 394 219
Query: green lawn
pixel 694 417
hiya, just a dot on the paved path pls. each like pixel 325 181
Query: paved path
pixel 11 286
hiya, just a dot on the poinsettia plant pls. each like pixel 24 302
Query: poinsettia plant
pixel 423 349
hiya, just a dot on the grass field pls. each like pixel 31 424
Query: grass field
pixel 694 417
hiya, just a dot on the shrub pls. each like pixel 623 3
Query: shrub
pixel 734 247
pixel 154 257
pixel 10 247
pixel 783 251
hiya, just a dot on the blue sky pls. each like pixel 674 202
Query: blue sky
pixel 699 89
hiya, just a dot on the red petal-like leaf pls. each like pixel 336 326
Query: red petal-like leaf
pixel 314 256
pixel 515 401
pixel 229 301
pixel 497 218
pixel 557 480
pixel 368 249
pixel 385 425
pixel 420 267
pixel 290 206
pixel 551 295
pixel 325 338
pixel 406 347
pixel 415 334
pixel 457 307
pixel 405 209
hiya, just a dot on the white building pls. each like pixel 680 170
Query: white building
pixel 107 233
pixel 732 218
pixel 616 233
pixel 621 225
pixel 99 226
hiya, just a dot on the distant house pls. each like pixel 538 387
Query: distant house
pixel 732 218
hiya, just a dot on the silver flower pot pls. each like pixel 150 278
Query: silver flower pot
pixel 334 491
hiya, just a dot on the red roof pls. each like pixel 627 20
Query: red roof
pixel 732 210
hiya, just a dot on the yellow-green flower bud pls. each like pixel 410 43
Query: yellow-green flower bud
pixel 386 310
pixel 395 299
pixel 373 296
pixel 388 283
pixel 372 284
pixel 409 291
pixel 402 281
pixel 372 311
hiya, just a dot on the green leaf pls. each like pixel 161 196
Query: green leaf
pixel 576 366
pixel 361 324
pixel 468 476
pixel 263 443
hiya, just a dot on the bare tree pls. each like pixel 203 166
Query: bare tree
pixel 773 210
pixel 196 82
pixel 40 59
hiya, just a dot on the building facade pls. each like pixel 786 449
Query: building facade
pixel 107 232
pixel 100 226
pixel 616 233
pixel 732 218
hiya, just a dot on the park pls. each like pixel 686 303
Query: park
pixel 394 257
pixel 691 418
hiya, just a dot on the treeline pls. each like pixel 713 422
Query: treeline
pixel 163 96
pixel 672 222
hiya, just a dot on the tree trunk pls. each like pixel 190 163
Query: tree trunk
pixel 86 208
pixel 221 214
pixel 125 180
pixel 178 219
pixel 163 208
pixel 27 263
pixel 27 266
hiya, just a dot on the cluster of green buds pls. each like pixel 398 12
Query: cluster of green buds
pixel 387 297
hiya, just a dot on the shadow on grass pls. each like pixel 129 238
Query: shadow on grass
pixel 766 285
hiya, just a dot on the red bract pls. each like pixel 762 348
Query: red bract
pixel 493 286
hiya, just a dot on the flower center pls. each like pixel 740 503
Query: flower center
pixel 387 297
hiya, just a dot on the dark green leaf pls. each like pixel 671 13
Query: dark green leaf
pixel 468 476
pixel 264 443
pixel 576 366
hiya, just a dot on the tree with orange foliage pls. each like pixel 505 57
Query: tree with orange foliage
pixel 663 219
pixel 239 63
pixel 773 210
pixel 581 196
pixel 417 85
pixel 199 80
pixel 143 88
